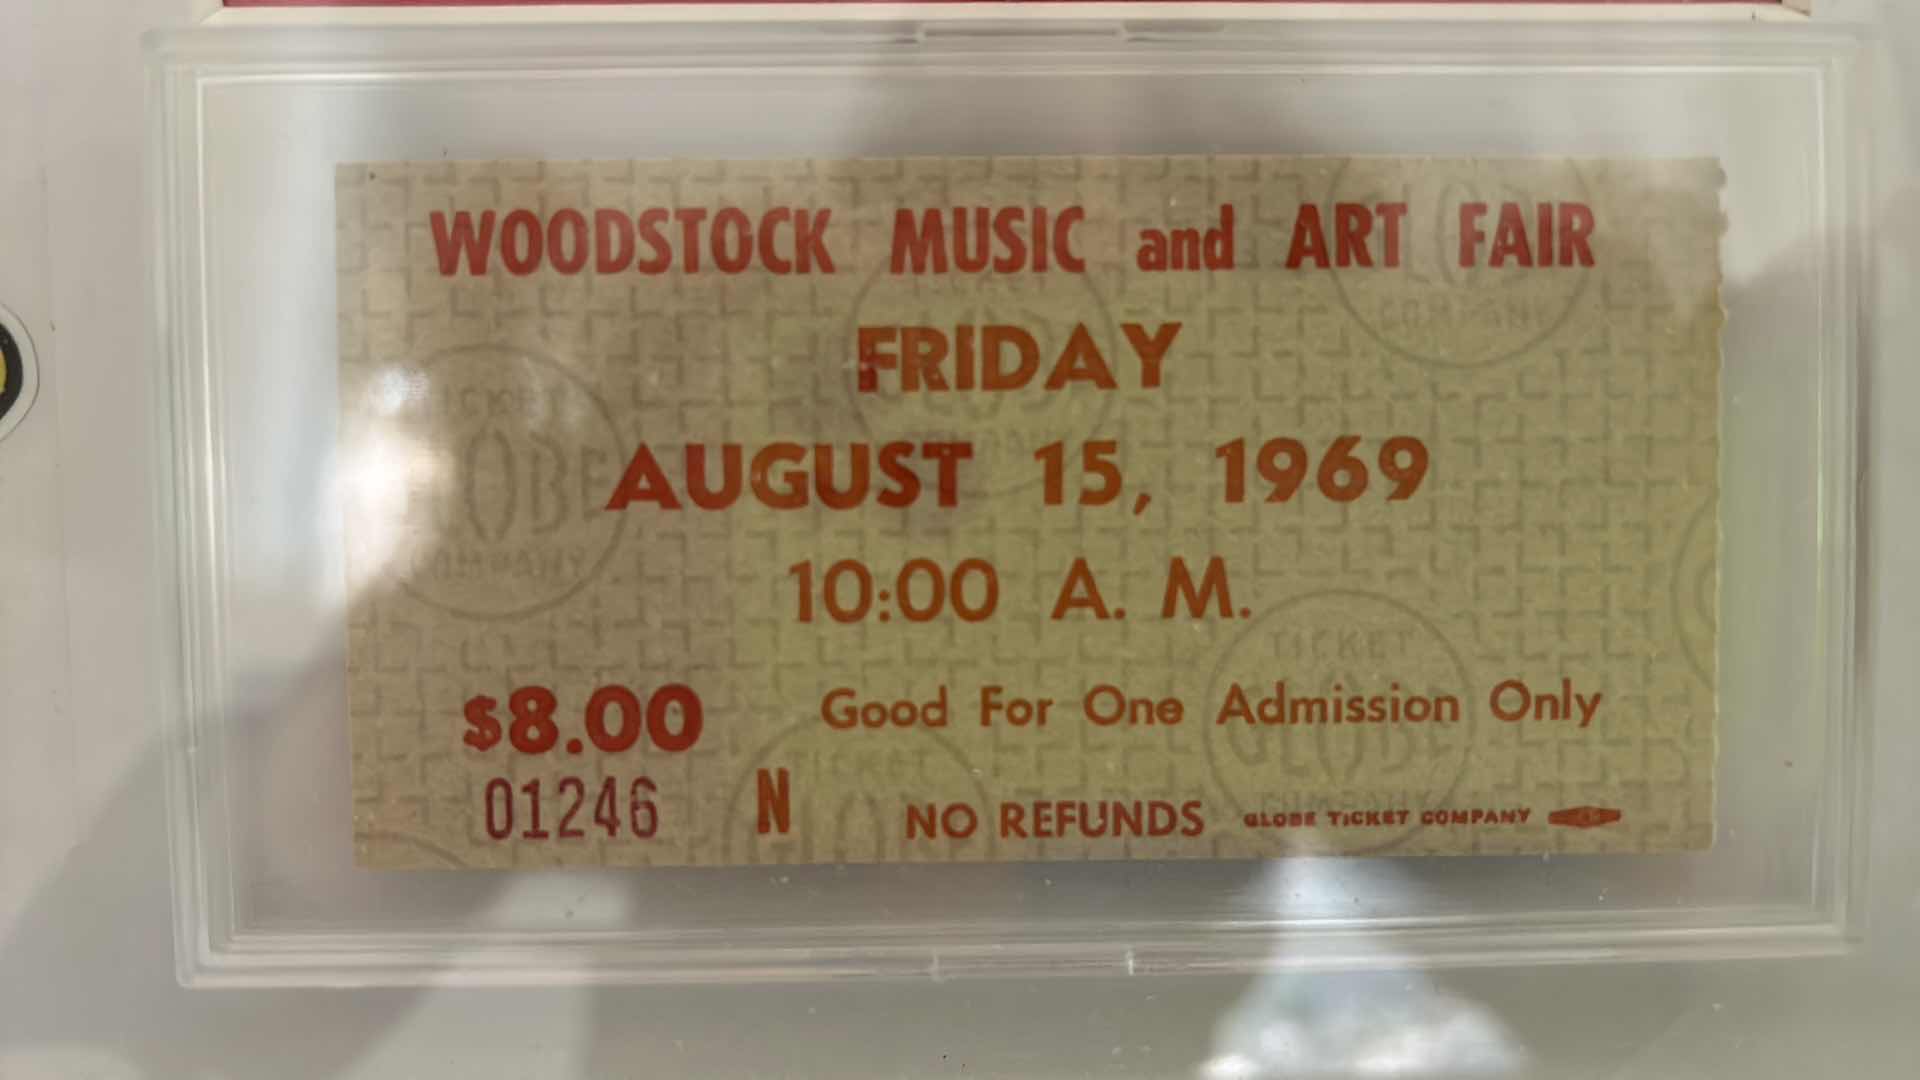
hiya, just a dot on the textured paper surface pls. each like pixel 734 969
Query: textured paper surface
pixel 1562 540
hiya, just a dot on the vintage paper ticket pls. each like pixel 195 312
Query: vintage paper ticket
pixel 969 509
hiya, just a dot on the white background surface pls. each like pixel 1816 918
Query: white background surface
pixel 86 973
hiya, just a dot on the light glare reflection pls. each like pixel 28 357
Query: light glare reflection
pixel 1371 1023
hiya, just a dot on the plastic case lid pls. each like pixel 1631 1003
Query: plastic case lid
pixel 250 125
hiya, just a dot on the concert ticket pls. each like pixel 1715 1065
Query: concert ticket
pixel 999 509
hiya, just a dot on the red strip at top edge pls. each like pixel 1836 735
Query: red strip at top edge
pixel 637 3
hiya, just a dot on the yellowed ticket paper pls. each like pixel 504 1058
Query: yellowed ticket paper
pixel 992 509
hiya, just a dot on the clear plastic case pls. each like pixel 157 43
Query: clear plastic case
pixel 250 125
